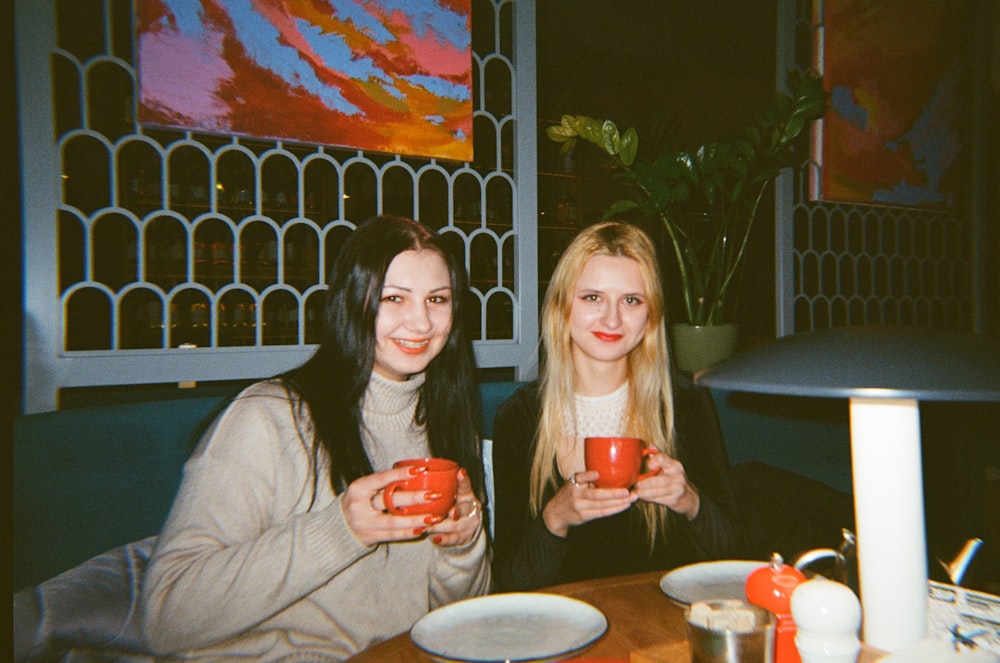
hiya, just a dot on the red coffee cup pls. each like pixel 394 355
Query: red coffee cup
pixel 437 475
pixel 618 460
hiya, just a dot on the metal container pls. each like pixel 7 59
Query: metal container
pixel 747 639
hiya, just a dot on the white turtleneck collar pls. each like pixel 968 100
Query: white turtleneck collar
pixel 388 410
pixel 384 396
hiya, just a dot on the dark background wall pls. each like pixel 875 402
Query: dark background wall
pixel 706 67
pixel 703 69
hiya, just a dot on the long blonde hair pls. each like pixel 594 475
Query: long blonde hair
pixel 650 410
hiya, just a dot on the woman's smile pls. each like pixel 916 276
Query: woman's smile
pixel 410 346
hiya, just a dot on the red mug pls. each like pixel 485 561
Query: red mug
pixel 437 475
pixel 618 460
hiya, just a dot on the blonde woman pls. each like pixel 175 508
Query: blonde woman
pixel 607 372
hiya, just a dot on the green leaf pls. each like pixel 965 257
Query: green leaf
pixel 567 121
pixel 567 146
pixel 609 137
pixel 709 188
pixel 589 129
pixel 794 127
pixel 687 167
pixel 659 199
pixel 812 109
pixel 629 146
pixel 745 149
pixel 560 133
pixel 775 138
pixel 680 192
pixel 619 207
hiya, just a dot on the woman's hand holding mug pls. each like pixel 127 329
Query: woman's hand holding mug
pixel 464 518
pixel 669 487
pixel 613 481
pixel 617 460
pixel 580 501
pixel 435 479
pixel 401 503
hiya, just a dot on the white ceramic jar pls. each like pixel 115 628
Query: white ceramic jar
pixel 828 616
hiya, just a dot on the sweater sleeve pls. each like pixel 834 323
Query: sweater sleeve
pixel 460 571
pixel 526 554
pixel 232 548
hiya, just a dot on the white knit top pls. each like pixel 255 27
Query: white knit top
pixel 600 416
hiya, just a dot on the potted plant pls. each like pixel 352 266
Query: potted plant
pixel 707 198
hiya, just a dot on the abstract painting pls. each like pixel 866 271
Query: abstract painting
pixel 892 134
pixel 388 75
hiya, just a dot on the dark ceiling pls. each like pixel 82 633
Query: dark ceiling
pixel 705 64
pixel 706 67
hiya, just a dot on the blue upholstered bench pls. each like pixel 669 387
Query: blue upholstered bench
pixel 91 478
pixel 92 488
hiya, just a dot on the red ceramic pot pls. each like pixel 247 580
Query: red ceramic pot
pixel 771 588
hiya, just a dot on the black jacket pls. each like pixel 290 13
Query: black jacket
pixel 527 556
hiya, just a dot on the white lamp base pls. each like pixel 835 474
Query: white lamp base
pixel 889 515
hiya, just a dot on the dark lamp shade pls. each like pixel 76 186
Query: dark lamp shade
pixel 867 362
pixel 885 372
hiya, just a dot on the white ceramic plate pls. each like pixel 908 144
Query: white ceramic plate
pixel 708 580
pixel 516 626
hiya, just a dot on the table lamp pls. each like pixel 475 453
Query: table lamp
pixel 884 371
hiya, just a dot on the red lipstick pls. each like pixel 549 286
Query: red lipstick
pixel 411 347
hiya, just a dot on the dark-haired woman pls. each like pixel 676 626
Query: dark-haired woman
pixel 278 546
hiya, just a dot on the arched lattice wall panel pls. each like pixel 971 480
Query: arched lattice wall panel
pixel 858 264
pixel 202 247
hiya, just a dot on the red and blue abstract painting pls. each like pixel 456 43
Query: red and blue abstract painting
pixel 893 133
pixel 388 76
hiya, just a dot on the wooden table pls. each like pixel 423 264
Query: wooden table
pixel 644 626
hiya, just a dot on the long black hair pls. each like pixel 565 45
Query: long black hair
pixel 333 381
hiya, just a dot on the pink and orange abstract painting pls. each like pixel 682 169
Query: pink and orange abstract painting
pixel 383 75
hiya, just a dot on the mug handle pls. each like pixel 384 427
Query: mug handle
pixel 648 451
pixel 387 499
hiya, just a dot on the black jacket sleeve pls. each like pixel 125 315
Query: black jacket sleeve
pixel 526 554
pixel 717 531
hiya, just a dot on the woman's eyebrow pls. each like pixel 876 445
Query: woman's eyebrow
pixel 634 293
pixel 406 289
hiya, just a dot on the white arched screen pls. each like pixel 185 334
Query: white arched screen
pixel 159 256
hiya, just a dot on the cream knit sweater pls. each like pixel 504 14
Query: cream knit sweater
pixel 245 570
